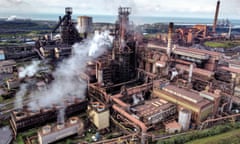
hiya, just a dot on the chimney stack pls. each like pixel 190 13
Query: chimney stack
pixel 190 73
pixel 169 46
pixel 216 17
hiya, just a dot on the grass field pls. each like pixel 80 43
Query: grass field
pixel 232 137
pixel 222 44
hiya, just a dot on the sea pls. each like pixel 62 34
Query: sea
pixel 138 20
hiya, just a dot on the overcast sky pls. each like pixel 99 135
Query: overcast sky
pixel 163 8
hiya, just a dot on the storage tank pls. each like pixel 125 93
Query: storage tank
pixel 184 119
pixel 85 24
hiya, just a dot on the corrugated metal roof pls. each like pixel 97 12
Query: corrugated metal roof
pixel 7 63
pixel 5 135
pixel 187 95
pixel 233 70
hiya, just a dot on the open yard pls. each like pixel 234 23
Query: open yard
pixel 231 137
pixel 222 44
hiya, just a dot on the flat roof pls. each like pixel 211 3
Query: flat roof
pixel 6 135
pixel 210 94
pixel 185 94
pixel 153 106
pixel 195 51
pixel 212 53
pixel 196 107
pixel 198 71
pixel 235 62
pixel 54 128
pixel 233 70
pixel 7 63
pixel 172 124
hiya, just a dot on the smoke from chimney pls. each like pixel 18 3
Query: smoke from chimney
pixel 29 70
pixel 18 103
pixel 66 77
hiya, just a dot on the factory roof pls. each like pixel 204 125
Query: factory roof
pixel 213 95
pixel 235 62
pixel 5 135
pixel 152 106
pixel 185 94
pixel 198 71
pixel 233 70
pixel 202 51
pixel 192 52
pixel 7 63
pixel 186 103
pixel 57 127
pixel 172 124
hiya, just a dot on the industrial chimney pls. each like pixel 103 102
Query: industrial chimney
pixel 169 46
pixel 216 17
pixel 190 73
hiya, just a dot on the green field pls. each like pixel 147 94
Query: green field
pixel 222 44
pixel 232 137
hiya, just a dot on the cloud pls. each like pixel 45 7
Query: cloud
pixel 183 8
pixel 12 3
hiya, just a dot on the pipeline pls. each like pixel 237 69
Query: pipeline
pixel 218 119
pixel 136 89
pixel 121 103
pixel 133 119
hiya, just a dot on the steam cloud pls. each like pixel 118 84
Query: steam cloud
pixel 66 77
pixel 19 96
pixel 11 18
pixel 30 70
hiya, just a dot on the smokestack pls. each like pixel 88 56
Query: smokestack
pixel 61 115
pixel 170 31
pixel 216 17
pixel 190 73
pixel 229 31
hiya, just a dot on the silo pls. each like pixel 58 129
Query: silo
pixel 85 24
pixel 184 119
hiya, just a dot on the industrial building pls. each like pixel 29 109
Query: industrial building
pixel 7 66
pixel 154 111
pixel 25 118
pixel 49 134
pixel 139 85
pixel 99 115
pixel 172 127
pixel 85 25
pixel 201 108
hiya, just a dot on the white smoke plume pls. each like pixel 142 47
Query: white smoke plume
pixel 12 18
pixel 29 70
pixel 19 96
pixel 66 77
